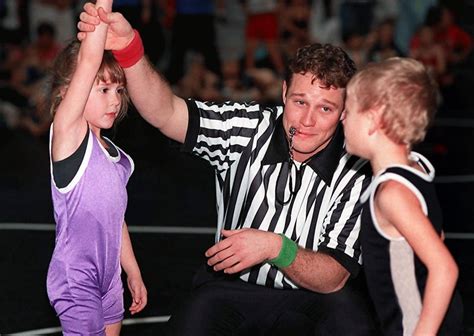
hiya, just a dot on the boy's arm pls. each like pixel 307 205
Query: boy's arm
pixel 69 126
pixel 134 278
pixel 150 92
pixel 397 205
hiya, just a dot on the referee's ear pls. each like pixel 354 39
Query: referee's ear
pixel 283 92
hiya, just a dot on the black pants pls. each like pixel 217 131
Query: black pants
pixel 223 305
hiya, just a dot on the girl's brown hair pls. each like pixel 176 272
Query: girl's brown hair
pixel 64 66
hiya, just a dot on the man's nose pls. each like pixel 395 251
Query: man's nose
pixel 309 118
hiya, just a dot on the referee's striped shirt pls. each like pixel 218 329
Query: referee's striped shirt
pixel 246 145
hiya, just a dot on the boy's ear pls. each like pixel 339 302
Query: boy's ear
pixel 62 91
pixel 343 115
pixel 375 117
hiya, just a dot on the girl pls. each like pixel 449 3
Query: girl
pixel 89 175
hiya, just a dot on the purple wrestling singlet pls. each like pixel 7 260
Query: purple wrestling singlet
pixel 84 284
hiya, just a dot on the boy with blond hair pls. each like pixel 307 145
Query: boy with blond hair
pixel 410 273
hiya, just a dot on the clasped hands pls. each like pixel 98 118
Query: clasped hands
pixel 119 34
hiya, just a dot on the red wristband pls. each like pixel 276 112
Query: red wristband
pixel 132 53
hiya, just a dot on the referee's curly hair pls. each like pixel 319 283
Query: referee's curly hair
pixel 329 64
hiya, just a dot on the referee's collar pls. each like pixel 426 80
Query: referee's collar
pixel 324 163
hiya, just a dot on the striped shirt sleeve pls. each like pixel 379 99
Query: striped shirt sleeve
pixel 340 236
pixel 219 133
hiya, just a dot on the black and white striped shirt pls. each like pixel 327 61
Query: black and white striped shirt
pixel 246 145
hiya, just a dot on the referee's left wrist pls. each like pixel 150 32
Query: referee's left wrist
pixel 276 246
pixel 287 254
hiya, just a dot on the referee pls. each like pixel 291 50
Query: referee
pixel 287 255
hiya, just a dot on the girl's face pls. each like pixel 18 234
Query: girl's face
pixel 103 104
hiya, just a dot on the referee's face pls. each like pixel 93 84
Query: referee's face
pixel 314 110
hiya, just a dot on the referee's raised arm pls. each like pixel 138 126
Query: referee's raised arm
pixel 150 92
pixel 155 101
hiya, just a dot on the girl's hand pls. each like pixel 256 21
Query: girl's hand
pixel 120 33
pixel 138 292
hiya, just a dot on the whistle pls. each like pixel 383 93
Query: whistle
pixel 292 131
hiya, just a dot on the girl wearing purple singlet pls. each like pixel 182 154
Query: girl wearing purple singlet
pixel 88 178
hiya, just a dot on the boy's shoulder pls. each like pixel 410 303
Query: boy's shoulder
pixel 394 199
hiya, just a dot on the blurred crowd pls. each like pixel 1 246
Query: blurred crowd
pixel 233 49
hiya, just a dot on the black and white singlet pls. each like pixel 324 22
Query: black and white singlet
pixel 395 276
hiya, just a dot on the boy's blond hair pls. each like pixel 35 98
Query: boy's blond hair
pixel 404 91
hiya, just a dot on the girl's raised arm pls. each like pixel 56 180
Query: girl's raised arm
pixel 69 125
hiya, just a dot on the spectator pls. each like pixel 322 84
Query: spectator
pixel 356 15
pixel 13 21
pixel 230 27
pixel 295 25
pixel 457 45
pixel 198 81
pixel 325 23
pixel 425 49
pixel 58 13
pixel 384 46
pixel 235 87
pixel 411 16
pixel 147 16
pixel 356 46
pixel 456 42
pixel 25 73
pixel 201 37
pixel 28 76
pixel 262 26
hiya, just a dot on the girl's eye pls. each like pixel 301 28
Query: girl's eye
pixel 120 90
pixel 104 90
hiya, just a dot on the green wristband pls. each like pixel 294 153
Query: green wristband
pixel 287 253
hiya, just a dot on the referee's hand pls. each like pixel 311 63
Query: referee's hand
pixel 119 34
pixel 242 249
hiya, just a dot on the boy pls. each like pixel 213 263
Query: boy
pixel 410 273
